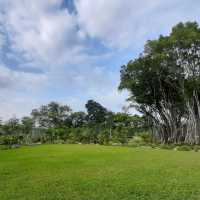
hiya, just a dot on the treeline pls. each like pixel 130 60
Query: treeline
pixel 56 123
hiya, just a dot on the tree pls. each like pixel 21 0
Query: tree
pixel 133 124
pixel 1 126
pixel 96 112
pixel 52 115
pixel 12 127
pixel 164 84
pixel 78 119
pixel 27 125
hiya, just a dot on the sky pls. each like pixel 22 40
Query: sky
pixel 71 51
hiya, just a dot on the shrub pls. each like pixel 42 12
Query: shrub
pixel 196 148
pixel 184 148
pixel 146 136
pixel 120 136
pixel 4 147
pixel 135 140
pixel 153 146
pixel 167 146
pixel 103 138
pixel 59 141
pixel 134 145
pixel 1 140
pixel 11 140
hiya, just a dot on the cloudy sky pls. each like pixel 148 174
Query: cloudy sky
pixel 71 50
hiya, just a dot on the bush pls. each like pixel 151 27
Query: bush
pixel 103 138
pixel 184 148
pixel 167 146
pixel 196 148
pixel 153 146
pixel 59 141
pixel 4 147
pixel 1 140
pixel 120 136
pixel 11 141
pixel 135 140
pixel 146 136
pixel 71 141
pixel 134 145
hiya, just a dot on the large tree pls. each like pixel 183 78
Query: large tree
pixel 164 84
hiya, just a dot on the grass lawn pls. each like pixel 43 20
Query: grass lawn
pixel 89 172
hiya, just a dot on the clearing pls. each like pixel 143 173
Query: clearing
pixel 93 172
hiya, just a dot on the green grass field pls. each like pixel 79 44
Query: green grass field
pixel 89 172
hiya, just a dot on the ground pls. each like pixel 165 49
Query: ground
pixel 92 172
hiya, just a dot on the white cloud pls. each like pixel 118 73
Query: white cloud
pixel 10 79
pixel 17 90
pixel 40 30
pixel 14 105
pixel 123 23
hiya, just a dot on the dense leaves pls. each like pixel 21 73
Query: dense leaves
pixel 51 115
pixel 164 83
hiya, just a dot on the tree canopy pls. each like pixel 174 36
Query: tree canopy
pixel 164 83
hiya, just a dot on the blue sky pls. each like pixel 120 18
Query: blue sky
pixel 71 50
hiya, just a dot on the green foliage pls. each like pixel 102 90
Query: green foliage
pixel 59 142
pixel 55 123
pixel 11 127
pixel 120 135
pixel 9 140
pixel 96 112
pixel 146 137
pixel 82 135
pixel 196 148
pixel 167 146
pixel 184 148
pixel 79 119
pixel 179 147
pixel 52 115
pixel 27 125
pixel 135 141
pixel 163 80
pixel 104 137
